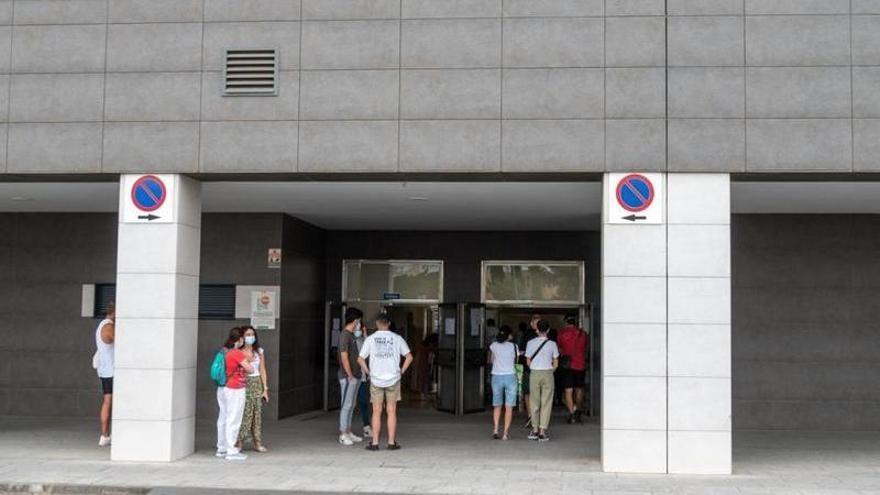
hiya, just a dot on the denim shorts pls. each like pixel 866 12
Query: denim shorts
pixel 503 390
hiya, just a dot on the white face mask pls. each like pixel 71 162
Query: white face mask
pixel 239 344
pixel 358 334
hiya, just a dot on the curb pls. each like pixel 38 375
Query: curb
pixel 67 489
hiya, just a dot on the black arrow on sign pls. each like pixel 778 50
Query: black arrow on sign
pixel 633 218
pixel 149 217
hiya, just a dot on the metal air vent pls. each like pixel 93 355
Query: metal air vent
pixel 251 73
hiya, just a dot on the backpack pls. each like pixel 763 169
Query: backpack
pixel 218 369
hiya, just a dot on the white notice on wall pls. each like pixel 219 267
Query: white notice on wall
pixel 476 321
pixel 449 326
pixel 263 310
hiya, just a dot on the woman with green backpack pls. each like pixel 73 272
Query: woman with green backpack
pixel 229 372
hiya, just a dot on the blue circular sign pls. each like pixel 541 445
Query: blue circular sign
pixel 148 193
pixel 635 193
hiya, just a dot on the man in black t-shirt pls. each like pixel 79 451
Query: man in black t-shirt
pixel 349 373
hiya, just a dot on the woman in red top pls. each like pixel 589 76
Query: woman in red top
pixel 232 396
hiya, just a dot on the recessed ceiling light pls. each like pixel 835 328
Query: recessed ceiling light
pixel 20 198
pixel 418 198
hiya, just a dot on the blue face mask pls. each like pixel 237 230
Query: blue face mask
pixel 249 339
pixel 357 334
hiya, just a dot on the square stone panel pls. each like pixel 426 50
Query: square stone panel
pixel 707 145
pixel 554 42
pixel 553 145
pixel 635 93
pixel 781 40
pixel 635 145
pixel 706 41
pixel 554 93
pixel 635 42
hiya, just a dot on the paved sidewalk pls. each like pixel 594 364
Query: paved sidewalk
pixel 441 454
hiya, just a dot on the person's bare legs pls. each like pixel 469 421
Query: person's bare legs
pixel 579 398
pixel 106 412
pixel 496 418
pixel 391 411
pixel 508 418
pixel 376 422
pixel 569 401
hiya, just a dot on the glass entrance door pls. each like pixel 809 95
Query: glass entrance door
pixel 472 364
pixel 333 323
pixel 447 359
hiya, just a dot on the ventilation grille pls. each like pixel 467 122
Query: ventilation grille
pixel 251 72
pixel 217 302
pixel 104 295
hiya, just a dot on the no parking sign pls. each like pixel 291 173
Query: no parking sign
pixel 635 198
pixel 147 198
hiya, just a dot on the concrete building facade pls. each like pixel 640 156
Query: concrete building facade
pixel 718 97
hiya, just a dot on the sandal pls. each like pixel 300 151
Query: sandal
pixel 393 446
pixel 495 436
pixel 372 447
pixel 259 448
pixel 505 437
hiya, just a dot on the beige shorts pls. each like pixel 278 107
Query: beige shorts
pixel 385 394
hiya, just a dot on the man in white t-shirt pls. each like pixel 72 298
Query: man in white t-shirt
pixel 384 348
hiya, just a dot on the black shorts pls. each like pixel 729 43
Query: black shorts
pixel 571 378
pixel 107 385
pixel 525 382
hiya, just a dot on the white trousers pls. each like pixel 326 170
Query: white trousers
pixel 231 402
pixel 221 420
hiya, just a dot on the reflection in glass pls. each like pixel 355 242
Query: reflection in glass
pixel 411 280
pixel 533 282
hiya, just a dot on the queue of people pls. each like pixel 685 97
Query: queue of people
pixel 533 368
pixel 370 371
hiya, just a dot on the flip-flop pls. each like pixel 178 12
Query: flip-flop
pixel 372 447
pixel 393 446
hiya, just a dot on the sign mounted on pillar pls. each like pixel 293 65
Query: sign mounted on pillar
pixel 147 198
pixel 635 198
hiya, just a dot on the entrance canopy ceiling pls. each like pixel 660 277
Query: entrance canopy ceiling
pixel 359 205
pixel 508 206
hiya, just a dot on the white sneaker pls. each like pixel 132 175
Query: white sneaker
pixel 344 440
pixel 103 441
pixel 236 457
pixel 354 438
pixel 220 453
pixel 368 431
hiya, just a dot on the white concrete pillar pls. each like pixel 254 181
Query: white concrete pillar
pixel 666 329
pixel 699 323
pixel 634 342
pixel 157 324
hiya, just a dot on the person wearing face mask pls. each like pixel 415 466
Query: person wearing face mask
pixel 349 373
pixel 231 397
pixel 257 391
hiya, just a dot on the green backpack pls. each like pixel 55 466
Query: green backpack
pixel 218 369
